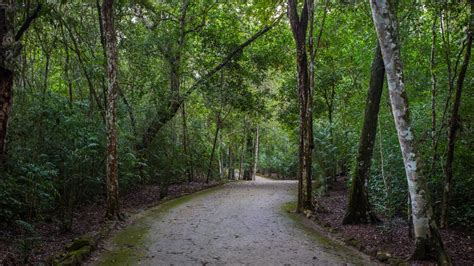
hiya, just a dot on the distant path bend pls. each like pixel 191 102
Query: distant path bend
pixel 239 223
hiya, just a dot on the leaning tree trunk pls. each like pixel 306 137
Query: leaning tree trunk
pixel 299 25
pixel 359 210
pixel 427 238
pixel 113 210
pixel 454 123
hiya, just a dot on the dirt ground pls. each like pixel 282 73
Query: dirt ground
pixel 49 239
pixel 391 236
pixel 239 223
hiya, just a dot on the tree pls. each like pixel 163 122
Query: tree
pixel 299 25
pixel 10 48
pixel 174 104
pixel 113 209
pixel 249 155
pixel 359 210
pixel 255 152
pixel 454 122
pixel 427 238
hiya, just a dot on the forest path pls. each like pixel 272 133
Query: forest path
pixel 239 223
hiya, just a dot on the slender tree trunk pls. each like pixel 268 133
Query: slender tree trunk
pixel 68 76
pixel 255 153
pixel 214 144
pixel 93 96
pixel 113 210
pixel 241 162
pixel 382 169
pixel 359 210
pixel 427 238
pixel 231 174
pixel 299 25
pixel 433 97
pixel 454 123
pixel 46 74
pixel 248 157
pixel 189 163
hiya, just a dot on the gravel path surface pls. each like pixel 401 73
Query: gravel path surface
pixel 239 223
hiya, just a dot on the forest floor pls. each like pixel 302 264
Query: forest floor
pixel 240 223
pixel 16 248
pixel 389 238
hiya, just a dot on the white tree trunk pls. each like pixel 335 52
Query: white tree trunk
pixel 428 241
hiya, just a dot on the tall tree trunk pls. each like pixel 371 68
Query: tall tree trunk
pixel 231 169
pixel 241 161
pixel 189 161
pixel 427 238
pixel 214 144
pixel 248 157
pixel 9 52
pixel 454 123
pixel 255 153
pixel 434 155
pixel 113 210
pixel 68 75
pixel 299 25
pixel 6 74
pixel 359 210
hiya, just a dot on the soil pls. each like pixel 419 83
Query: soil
pixel 16 248
pixel 241 223
pixel 391 236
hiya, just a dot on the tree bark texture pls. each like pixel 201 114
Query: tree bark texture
pixel 6 72
pixel 299 25
pixel 113 210
pixel 427 238
pixel 10 48
pixel 454 123
pixel 359 210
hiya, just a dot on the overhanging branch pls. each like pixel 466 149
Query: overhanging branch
pixel 28 22
pixel 174 104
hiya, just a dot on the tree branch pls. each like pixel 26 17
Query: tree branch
pixel 227 59
pixel 174 105
pixel 27 22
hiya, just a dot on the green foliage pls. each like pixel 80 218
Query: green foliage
pixel 56 137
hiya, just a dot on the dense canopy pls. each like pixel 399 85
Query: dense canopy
pixel 101 98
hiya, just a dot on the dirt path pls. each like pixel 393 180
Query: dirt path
pixel 239 223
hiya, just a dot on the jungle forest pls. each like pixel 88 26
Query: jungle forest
pixel 242 132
